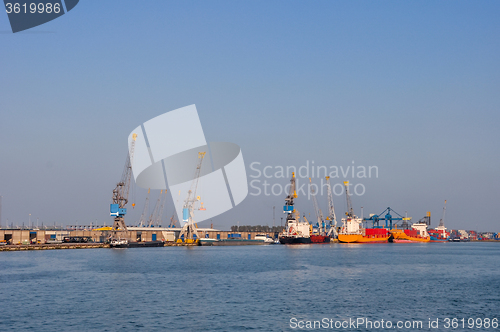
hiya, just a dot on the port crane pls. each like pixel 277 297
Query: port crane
pixel 317 210
pixel 331 210
pixel 441 222
pixel 350 211
pixel 288 208
pixel 120 193
pixel 388 218
pixel 155 218
pixel 142 222
pixel 189 232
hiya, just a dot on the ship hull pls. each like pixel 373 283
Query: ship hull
pixel 320 239
pixel 358 238
pixel 295 240
pixel 139 244
pixel 438 239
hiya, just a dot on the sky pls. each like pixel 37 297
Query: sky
pixel 408 87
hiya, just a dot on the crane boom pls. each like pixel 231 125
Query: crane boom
pixel 317 210
pixel 331 209
pixel 350 212
pixel 154 214
pixel 145 211
pixel 441 222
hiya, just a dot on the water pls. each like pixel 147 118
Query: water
pixel 242 288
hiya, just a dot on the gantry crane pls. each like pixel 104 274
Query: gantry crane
pixel 376 218
pixel 120 193
pixel 189 231
pixel 317 210
pixel 332 218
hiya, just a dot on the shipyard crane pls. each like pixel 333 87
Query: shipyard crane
pixel 189 232
pixel 388 218
pixel 154 215
pixel 331 210
pixel 142 222
pixel 120 193
pixel 441 222
pixel 350 212
pixel 159 216
pixel 317 210
pixel 292 193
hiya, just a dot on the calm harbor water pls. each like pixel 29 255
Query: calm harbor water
pixel 242 288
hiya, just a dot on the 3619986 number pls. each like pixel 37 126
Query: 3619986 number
pixel 470 323
pixel 33 8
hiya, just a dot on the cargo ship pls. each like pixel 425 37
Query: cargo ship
pixel 418 233
pixel 236 240
pixel 353 232
pixel 296 231
pixel 124 243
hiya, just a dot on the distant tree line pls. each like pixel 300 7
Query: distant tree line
pixel 258 228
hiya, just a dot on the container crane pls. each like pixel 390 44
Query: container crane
pixel 331 210
pixel 317 210
pixel 120 193
pixel 376 218
pixel 189 232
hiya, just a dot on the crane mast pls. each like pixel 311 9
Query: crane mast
pixel 145 211
pixel 120 193
pixel 331 209
pixel 156 211
pixel 189 229
pixel 292 193
pixel 317 210
pixel 350 212
pixel 441 222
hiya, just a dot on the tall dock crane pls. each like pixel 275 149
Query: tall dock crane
pixel 120 193
pixel 331 210
pixel 317 210
pixel 189 231
pixel 288 208
pixel 145 212
pixel 441 222
pixel 350 212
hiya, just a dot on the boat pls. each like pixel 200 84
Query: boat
pixel 236 241
pixel 264 238
pixel 418 233
pixel 319 238
pixel 296 231
pixel 118 243
pixel 352 230
pixel 124 243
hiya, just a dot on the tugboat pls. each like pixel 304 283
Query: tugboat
pixel 296 231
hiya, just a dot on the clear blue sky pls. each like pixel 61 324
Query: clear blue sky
pixel 408 86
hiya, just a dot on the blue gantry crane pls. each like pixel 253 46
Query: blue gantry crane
pixel 388 218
